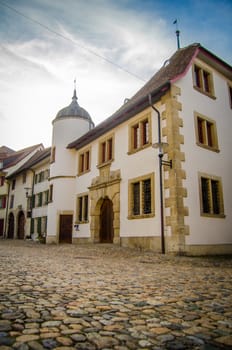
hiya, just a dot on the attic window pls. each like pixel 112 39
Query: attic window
pixel 203 81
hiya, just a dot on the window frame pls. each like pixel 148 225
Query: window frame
pixel 206 140
pixel 140 133
pixel 131 203
pixel 82 208
pixel 84 161
pixel 203 80
pixel 106 150
pixel 210 196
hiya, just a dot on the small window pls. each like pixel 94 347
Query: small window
pixel 2 202
pixel 84 162
pixel 11 201
pixel 140 134
pixel 106 151
pixel 141 197
pixel 13 184
pixel 230 95
pixel 211 196
pixel 82 208
pixel 24 177
pixel 50 193
pixel 2 180
pixel 53 154
pixel 206 132
pixel 203 80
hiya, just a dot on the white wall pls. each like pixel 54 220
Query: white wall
pixel 205 230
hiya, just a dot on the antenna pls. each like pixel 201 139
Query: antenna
pixel 177 34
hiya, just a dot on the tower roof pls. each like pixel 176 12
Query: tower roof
pixel 74 110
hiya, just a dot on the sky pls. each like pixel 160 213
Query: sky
pixel 110 47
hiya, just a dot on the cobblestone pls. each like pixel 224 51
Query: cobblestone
pixel 91 297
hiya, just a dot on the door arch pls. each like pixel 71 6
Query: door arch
pixel 106 233
pixel 10 232
pixel 21 223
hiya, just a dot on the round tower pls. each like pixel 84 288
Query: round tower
pixel 69 124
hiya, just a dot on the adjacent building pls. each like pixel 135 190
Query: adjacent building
pixel 155 175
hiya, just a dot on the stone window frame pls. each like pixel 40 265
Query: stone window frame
pixel 211 197
pixel 82 211
pixel 209 126
pixel 203 80
pixel 137 128
pixel 106 150
pixel 141 180
pixel 84 161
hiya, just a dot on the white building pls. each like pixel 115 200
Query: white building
pixel 109 184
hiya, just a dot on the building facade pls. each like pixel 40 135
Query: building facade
pixel 155 175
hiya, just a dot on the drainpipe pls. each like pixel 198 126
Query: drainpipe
pixel 160 177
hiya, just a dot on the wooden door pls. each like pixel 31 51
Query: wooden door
pixel 21 223
pixel 65 234
pixel 106 222
pixel 10 233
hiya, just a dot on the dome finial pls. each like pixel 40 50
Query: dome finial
pixel 74 92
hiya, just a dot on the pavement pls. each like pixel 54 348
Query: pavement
pixel 91 297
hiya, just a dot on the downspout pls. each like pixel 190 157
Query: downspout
pixel 7 208
pixel 160 177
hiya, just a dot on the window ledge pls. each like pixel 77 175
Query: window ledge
pixel 108 162
pixel 216 216
pixel 132 151
pixel 213 149
pixel 204 92
pixel 143 216
pixel 83 172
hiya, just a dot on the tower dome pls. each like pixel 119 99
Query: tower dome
pixel 74 110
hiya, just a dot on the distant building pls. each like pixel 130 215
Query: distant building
pixel 107 183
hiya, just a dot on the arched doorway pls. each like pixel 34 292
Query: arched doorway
pixel 21 223
pixel 10 232
pixel 106 222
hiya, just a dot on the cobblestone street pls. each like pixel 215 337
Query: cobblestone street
pixel 106 297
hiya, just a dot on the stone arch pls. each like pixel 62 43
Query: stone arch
pixel 103 189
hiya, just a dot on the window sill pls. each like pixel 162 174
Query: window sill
pixel 213 149
pixel 216 216
pixel 204 92
pixel 143 216
pixel 132 151
pixel 83 172
pixel 108 162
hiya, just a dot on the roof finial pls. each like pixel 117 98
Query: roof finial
pixel 177 34
pixel 74 92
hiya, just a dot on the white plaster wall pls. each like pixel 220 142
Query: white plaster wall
pixel 205 230
pixel 131 166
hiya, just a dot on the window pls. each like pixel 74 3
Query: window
pixel 230 95
pixel 53 154
pixel 2 180
pixel 11 201
pixel 82 208
pixel 140 134
pixel 24 177
pixel 106 150
pixel 206 132
pixel 203 80
pixel 141 197
pixel 50 193
pixel 45 197
pixel 13 184
pixel 39 197
pixel 2 202
pixel 211 196
pixel 84 162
